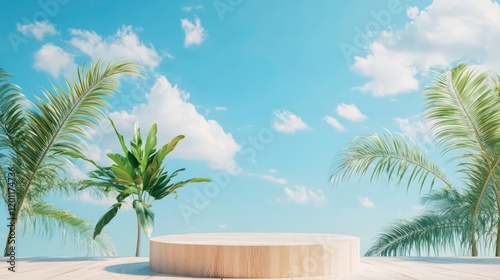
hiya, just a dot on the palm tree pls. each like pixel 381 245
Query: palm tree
pixel 444 225
pixel 35 139
pixel 462 106
pixel 140 174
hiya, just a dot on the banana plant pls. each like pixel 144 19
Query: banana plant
pixel 139 175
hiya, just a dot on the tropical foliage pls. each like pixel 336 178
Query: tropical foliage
pixel 463 109
pixel 36 138
pixel 138 174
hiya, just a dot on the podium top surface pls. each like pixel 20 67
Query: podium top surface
pixel 253 239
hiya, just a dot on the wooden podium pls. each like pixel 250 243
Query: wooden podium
pixel 254 255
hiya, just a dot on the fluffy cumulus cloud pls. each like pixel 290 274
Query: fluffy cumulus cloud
pixel 415 127
pixel 169 107
pixel 350 112
pixel 440 34
pixel 195 34
pixel 124 44
pixel 38 29
pixel 54 60
pixel 334 123
pixel 287 122
pixel 366 202
pixel 305 195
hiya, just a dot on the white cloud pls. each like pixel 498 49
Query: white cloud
pixel 273 171
pixel 93 152
pixel 190 8
pixel 287 122
pixel 391 72
pixel 334 123
pixel 220 108
pixel 205 138
pixel 75 173
pixel 350 112
pixel 222 226
pixel 440 34
pixel 366 202
pixel 98 155
pixel 418 208
pixel 125 44
pixel 270 178
pixel 54 60
pixel 415 127
pixel 87 197
pixel 195 33
pixel 167 54
pixel 38 29
pixel 412 12
pixel 304 195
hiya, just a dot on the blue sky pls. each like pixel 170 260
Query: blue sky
pixel 266 92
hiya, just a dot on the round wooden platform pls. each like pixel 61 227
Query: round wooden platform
pixel 254 255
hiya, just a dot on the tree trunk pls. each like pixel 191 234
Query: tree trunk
pixel 474 246
pixel 138 246
pixel 497 251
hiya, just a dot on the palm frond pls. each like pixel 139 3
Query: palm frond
pixel 463 110
pixel 12 127
pixel 460 108
pixel 12 115
pixel 428 232
pixel 45 218
pixel 387 154
pixel 482 197
pixel 452 202
pixel 58 124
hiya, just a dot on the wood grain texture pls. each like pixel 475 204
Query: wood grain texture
pixel 254 255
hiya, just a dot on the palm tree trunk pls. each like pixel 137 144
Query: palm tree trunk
pixel 497 251
pixel 474 247
pixel 138 246
pixel 497 195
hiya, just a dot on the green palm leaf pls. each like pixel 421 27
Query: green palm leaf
pixel 106 218
pixel 45 218
pixel 391 155
pixel 61 121
pixel 145 216
pixel 429 232
pixel 460 108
